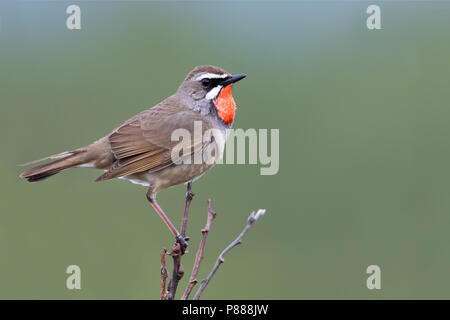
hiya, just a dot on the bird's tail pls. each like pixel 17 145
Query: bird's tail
pixel 62 161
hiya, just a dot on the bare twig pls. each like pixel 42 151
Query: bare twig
pixel 163 294
pixel 251 220
pixel 178 271
pixel 189 197
pixel 178 249
pixel 199 256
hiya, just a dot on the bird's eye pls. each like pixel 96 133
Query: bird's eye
pixel 206 82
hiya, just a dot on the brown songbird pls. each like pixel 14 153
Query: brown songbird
pixel 163 146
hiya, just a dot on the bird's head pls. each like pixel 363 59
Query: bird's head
pixel 208 87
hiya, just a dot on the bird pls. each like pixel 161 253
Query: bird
pixel 143 149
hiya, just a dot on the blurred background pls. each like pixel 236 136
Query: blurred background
pixel 364 173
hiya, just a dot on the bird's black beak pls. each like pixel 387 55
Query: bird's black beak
pixel 232 79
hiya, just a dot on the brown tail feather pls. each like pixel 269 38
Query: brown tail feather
pixel 43 171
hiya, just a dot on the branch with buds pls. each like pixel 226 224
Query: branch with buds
pixel 177 252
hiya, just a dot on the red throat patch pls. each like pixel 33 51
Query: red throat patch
pixel 225 105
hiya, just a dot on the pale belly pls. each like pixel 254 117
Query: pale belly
pixel 170 176
pixel 176 173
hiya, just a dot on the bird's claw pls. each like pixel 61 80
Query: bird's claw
pixel 183 242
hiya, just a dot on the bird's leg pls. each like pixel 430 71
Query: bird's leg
pixel 179 238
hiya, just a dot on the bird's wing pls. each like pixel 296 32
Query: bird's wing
pixel 145 142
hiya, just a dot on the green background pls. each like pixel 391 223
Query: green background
pixel 364 156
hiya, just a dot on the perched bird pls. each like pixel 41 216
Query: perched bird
pixel 143 149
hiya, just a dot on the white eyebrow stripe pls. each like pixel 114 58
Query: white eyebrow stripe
pixel 213 92
pixel 211 76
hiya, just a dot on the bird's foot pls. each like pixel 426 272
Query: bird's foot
pixel 183 242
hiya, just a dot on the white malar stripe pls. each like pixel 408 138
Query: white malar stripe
pixel 212 94
pixel 211 76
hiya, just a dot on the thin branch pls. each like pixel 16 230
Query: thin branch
pixel 251 220
pixel 163 294
pixel 178 249
pixel 199 256
pixel 189 197
pixel 178 271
